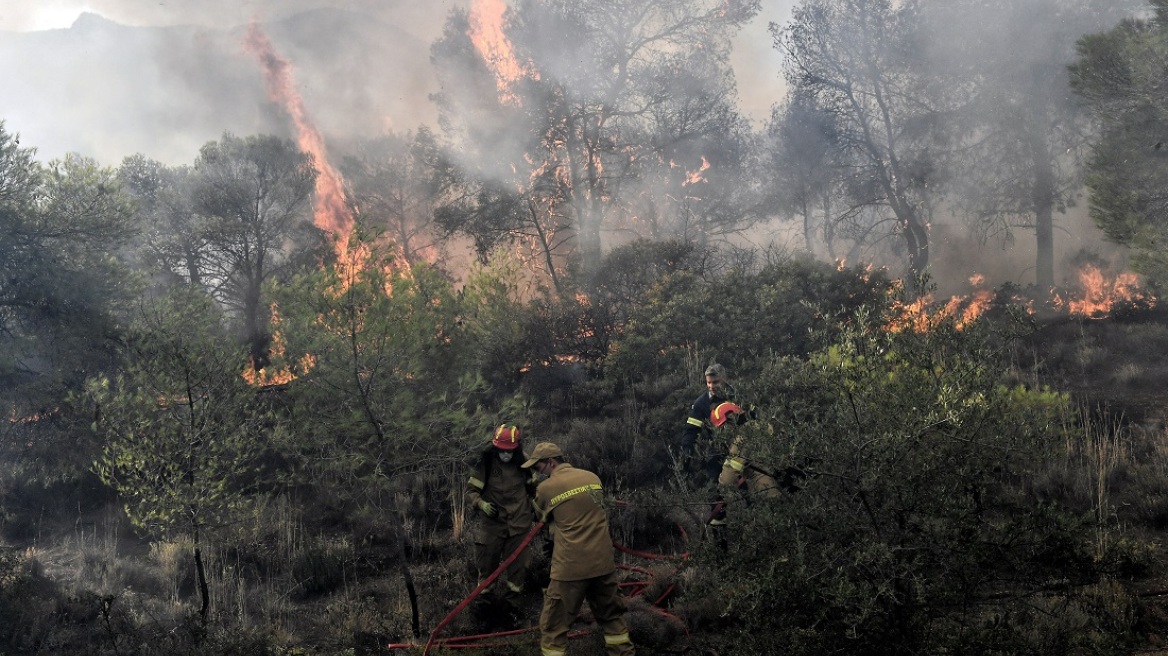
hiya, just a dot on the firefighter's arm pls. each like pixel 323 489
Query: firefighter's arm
pixel 734 460
pixel 475 485
pixel 693 427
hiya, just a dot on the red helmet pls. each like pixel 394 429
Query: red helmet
pixel 721 414
pixel 506 437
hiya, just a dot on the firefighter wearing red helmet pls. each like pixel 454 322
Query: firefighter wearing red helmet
pixel 737 471
pixel 500 491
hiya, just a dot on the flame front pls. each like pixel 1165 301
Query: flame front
pixel 486 32
pixel 1100 295
pixel 921 315
pixel 330 212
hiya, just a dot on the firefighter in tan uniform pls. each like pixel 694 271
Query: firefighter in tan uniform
pixel 738 472
pixel 583 567
pixel 501 491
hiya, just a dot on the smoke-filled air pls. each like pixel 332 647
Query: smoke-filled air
pixel 346 327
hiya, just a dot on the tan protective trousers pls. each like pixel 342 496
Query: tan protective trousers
pixel 561 603
pixel 757 483
pixel 493 545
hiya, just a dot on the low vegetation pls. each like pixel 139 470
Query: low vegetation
pixel 951 491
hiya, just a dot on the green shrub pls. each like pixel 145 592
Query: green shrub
pixel 915 523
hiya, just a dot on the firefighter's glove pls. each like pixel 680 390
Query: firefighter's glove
pixel 489 509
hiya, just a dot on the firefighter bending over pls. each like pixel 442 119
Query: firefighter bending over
pixel 583 566
pixel 500 490
pixel 738 472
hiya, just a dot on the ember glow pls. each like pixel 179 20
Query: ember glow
pixel 330 212
pixel 16 418
pixel 1098 295
pixel 486 32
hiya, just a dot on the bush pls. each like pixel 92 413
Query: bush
pixel 915 515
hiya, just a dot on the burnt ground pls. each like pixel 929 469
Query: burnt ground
pixel 1116 369
pixel 1116 365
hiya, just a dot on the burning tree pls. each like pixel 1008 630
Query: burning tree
pixel 252 195
pixel 397 182
pixel 1029 138
pixel 578 139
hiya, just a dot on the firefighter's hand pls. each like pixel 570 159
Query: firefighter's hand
pixel 489 509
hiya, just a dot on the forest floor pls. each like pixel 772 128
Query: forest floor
pixel 1117 370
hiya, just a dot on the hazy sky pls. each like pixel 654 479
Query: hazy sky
pixel 755 61
pixel 60 125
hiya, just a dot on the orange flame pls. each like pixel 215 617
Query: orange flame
pixel 922 315
pixel 282 372
pixel 486 32
pixel 14 418
pixel 1100 296
pixel 694 177
pixel 330 212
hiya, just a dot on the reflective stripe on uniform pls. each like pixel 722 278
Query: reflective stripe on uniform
pixel 694 422
pixel 553 651
pixel 617 638
pixel 474 482
pixel 515 587
pixel 737 464
pixel 564 496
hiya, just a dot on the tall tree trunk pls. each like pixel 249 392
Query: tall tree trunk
pixel 589 220
pixel 204 590
pixel 808 228
pixel 547 246
pixel 257 334
pixel 403 567
pixel 1043 204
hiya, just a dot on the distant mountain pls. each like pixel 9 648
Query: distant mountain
pixel 108 90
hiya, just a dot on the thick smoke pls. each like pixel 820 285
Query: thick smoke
pixel 163 78
pixel 1029 44
pixel 21 15
pixel 89 86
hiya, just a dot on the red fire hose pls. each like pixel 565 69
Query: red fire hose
pixel 482 586
pixel 481 641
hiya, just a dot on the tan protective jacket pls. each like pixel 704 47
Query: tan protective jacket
pixel 569 501
pixel 506 486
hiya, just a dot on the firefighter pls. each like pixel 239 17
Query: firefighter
pixel 583 566
pixel 500 490
pixel 718 390
pixel 737 472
